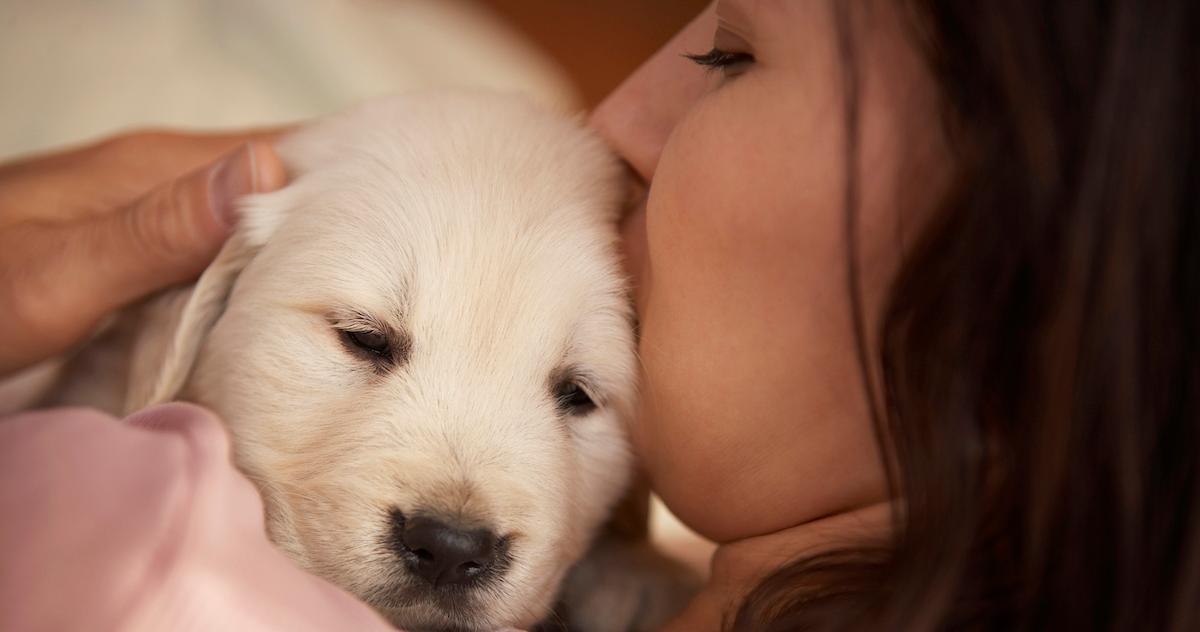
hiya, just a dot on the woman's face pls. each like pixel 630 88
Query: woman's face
pixel 754 416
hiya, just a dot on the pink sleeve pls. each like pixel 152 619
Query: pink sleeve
pixel 144 525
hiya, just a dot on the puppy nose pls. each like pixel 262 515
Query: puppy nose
pixel 445 555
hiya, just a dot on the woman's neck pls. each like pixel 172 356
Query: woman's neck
pixel 739 566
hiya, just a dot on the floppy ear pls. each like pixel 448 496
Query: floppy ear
pixel 175 324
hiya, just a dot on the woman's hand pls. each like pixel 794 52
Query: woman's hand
pixel 87 231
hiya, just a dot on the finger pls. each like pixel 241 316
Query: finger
pixel 212 460
pixel 199 428
pixel 111 173
pixel 58 280
pixel 169 235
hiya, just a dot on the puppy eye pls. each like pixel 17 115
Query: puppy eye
pixel 371 343
pixel 572 399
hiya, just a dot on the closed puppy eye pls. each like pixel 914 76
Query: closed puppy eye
pixel 371 342
pixel 573 399
pixel 365 338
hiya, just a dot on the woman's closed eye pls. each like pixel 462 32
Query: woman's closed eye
pixel 730 52
pixel 730 63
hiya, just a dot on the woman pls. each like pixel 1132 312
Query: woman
pixel 945 255
pixel 915 283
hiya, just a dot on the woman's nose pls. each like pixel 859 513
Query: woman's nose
pixel 639 116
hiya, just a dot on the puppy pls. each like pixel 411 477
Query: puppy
pixel 423 350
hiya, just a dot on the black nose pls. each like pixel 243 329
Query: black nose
pixel 445 555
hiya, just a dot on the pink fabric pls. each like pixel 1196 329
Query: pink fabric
pixel 144 525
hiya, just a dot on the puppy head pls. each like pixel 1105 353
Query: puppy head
pixel 423 350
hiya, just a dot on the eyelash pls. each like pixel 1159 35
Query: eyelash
pixel 718 59
pixel 352 328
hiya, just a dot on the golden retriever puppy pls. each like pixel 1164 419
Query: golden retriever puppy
pixel 424 352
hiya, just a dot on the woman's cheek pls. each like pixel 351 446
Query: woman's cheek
pixel 672 429
pixel 695 354
pixel 746 346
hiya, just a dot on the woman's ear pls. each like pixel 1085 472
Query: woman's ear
pixel 174 325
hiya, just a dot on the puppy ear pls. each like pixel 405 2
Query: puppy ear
pixel 175 324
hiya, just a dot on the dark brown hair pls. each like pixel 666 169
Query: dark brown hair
pixel 1041 349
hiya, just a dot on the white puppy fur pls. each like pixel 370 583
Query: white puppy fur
pixel 413 328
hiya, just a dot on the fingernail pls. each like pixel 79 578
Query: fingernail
pixel 228 180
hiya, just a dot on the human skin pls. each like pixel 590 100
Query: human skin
pixel 86 231
pixel 754 426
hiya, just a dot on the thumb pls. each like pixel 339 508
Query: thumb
pixel 57 280
pixel 169 235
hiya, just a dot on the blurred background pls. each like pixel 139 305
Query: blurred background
pixel 72 71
